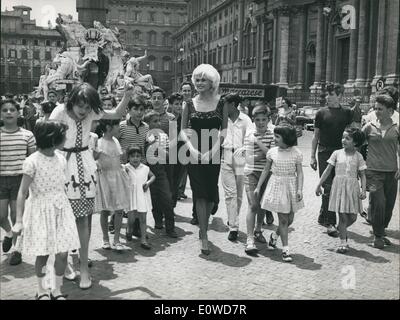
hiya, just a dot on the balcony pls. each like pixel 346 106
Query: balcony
pixel 249 62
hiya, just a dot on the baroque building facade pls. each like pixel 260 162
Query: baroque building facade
pixel 25 50
pixel 298 44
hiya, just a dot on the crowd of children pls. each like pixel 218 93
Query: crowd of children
pixel 94 155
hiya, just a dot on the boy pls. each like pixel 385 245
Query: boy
pixel 15 145
pixel 257 142
pixel 157 99
pixel 157 144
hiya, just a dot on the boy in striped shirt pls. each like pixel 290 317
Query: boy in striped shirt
pixel 15 145
pixel 257 142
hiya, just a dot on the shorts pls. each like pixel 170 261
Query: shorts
pixel 9 186
pixel 251 181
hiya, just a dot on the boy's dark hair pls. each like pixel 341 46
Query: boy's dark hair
pixel 134 149
pixel 150 115
pixel 48 107
pixel 174 97
pixel 158 89
pixel 334 88
pixel 262 109
pixel 288 134
pixel 52 91
pixel 186 83
pixel 357 135
pixel 110 97
pixel 103 123
pixel 49 134
pixel 386 100
pixel 9 95
pixel 136 103
pixel 233 97
pixel 392 91
pixel 12 101
pixel 84 93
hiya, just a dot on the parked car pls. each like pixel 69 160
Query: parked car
pixel 306 117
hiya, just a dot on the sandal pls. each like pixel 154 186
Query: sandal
pixel 106 245
pixel 58 297
pixel 342 249
pixel 118 247
pixel 86 287
pixel 43 296
pixel 145 246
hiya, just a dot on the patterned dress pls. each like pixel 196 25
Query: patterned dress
pixel 204 176
pixel 281 191
pixel 48 221
pixel 81 167
pixel 345 192
pixel 112 189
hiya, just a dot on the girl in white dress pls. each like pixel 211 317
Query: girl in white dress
pixel 140 178
pixel 284 192
pixel 46 217
pixel 345 198
pixel 82 108
pixel 112 188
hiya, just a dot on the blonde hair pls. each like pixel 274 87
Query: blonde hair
pixel 209 72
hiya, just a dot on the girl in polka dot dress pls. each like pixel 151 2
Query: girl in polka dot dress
pixel 284 191
pixel 82 108
pixel 46 217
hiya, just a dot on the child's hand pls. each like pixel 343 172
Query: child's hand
pixel 318 191
pixel 299 195
pixel 17 229
pixel 363 195
pixel 145 187
pixel 128 89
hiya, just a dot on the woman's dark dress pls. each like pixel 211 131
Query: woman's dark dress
pixel 204 177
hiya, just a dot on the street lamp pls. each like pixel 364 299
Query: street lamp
pixel 180 59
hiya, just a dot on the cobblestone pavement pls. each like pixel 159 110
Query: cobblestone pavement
pixel 175 269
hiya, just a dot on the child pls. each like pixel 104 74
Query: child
pixel 46 217
pixel 15 145
pixel 83 107
pixel 112 186
pixel 157 154
pixel 257 143
pixel 345 197
pixel 108 102
pixel 284 192
pixel 140 178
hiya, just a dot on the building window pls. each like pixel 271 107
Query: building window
pixel 25 72
pixel 235 23
pixel 137 36
pixel 152 38
pixel 58 43
pixel 24 42
pixel 219 61
pixel 235 51
pixel 167 18
pixel 2 52
pixel 36 54
pixel 12 53
pixel 220 31
pixel 122 15
pixel 13 71
pixel 152 63
pixel 226 28
pixel 152 16
pixel 122 36
pixel 230 26
pixel 47 55
pixel 35 42
pixel 225 54
pixel 166 64
pixel 25 87
pixel 24 54
pixel 48 43
pixel 268 36
pixel 36 72
pixel 166 39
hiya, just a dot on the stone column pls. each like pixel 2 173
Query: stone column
pixel 284 48
pixel 328 76
pixel 362 52
pixel 319 50
pixel 392 53
pixel 353 51
pixel 302 48
pixel 380 44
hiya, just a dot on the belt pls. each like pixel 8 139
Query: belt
pixel 74 150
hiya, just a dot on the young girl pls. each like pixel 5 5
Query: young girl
pixel 284 192
pixel 82 108
pixel 46 217
pixel 112 189
pixel 140 201
pixel 345 197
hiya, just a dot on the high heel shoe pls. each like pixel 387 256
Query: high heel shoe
pixel 204 247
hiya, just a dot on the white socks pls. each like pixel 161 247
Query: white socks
pixel 285 249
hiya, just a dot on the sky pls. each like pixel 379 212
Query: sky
pixel 44 10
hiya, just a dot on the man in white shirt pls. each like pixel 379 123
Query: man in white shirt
pixel 233 162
